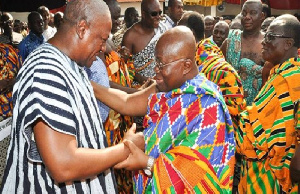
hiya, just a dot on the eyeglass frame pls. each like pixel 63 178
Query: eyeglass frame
pixel 154 13
pixel 268 34
pixel 160 67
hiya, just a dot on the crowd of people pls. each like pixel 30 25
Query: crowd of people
pixel 159 103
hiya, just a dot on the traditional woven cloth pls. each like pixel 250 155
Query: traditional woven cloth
pixel 267 133
pixel 10 63
pixel 248 70
pixel 212 63
pixel 120 72
pixel 190 133
pixel 206 3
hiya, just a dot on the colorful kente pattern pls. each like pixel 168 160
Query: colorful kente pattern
pixel 267 133
pixel 121 72
pixel 189 131
pixel 10 63
pixel 212 63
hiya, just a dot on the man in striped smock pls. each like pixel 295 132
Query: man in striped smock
pixel 267 133
pixel 58 143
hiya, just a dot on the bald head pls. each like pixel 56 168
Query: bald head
pixel 175 50
pixel 146 3
pixel 290 26
pixel 178 41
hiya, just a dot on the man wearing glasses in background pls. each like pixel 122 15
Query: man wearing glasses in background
pixel 8 36
pixel 269 129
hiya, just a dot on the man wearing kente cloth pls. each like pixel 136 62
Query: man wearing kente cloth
pixel 242 49
pixel 267 133
pixel 189 138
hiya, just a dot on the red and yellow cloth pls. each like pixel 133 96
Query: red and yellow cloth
pixel 10 64
pixel 212 63
pixel 120 72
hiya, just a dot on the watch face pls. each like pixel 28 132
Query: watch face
pixel 148 172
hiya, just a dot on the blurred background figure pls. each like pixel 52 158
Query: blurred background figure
pixel 209 23
pixel 266 23
pixel 58 18
pixel 48 30
pixel 8 36
pixel 131 17
pixel 175 12
pixel 220 32
pixel 35 37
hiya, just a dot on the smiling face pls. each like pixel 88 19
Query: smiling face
pixel 151 14
pixel 252 16
pixel 94 41
pixel 275 46
pixel 174 54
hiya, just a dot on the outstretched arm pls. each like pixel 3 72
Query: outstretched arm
pixel 67 162
pixel 127 104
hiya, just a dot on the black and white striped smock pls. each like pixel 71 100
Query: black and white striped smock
pixel 52 87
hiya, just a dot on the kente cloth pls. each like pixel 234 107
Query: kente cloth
pixel 190 134
pixel 205 3
pixel 212 63
pixel 144 60
pixel 250 73
pixel 120 72
pixel 29 43
pixel 10 64
pixel 267 133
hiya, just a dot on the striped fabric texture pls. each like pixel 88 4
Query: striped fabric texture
pixel 10 63
pixel 189 132
pixel 267 133
pixel 52 87
pixel 212 63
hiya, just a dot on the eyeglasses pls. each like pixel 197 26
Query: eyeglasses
pixel 155 13
pixel 160 65
pixel 270 37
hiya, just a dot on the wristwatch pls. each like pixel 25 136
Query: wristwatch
pixel 148 169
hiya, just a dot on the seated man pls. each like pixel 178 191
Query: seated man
pixel 189 144
pixel 267 133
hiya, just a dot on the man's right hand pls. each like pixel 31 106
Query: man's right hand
pixel 136 138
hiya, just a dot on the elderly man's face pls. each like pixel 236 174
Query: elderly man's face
pixel 220 33
pixel 274 43
pixel 252 16
pixel 94 41
pixel 168 67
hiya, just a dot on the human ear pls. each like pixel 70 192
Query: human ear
pixel 289 43
pixel 187 66
pixel 81 28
